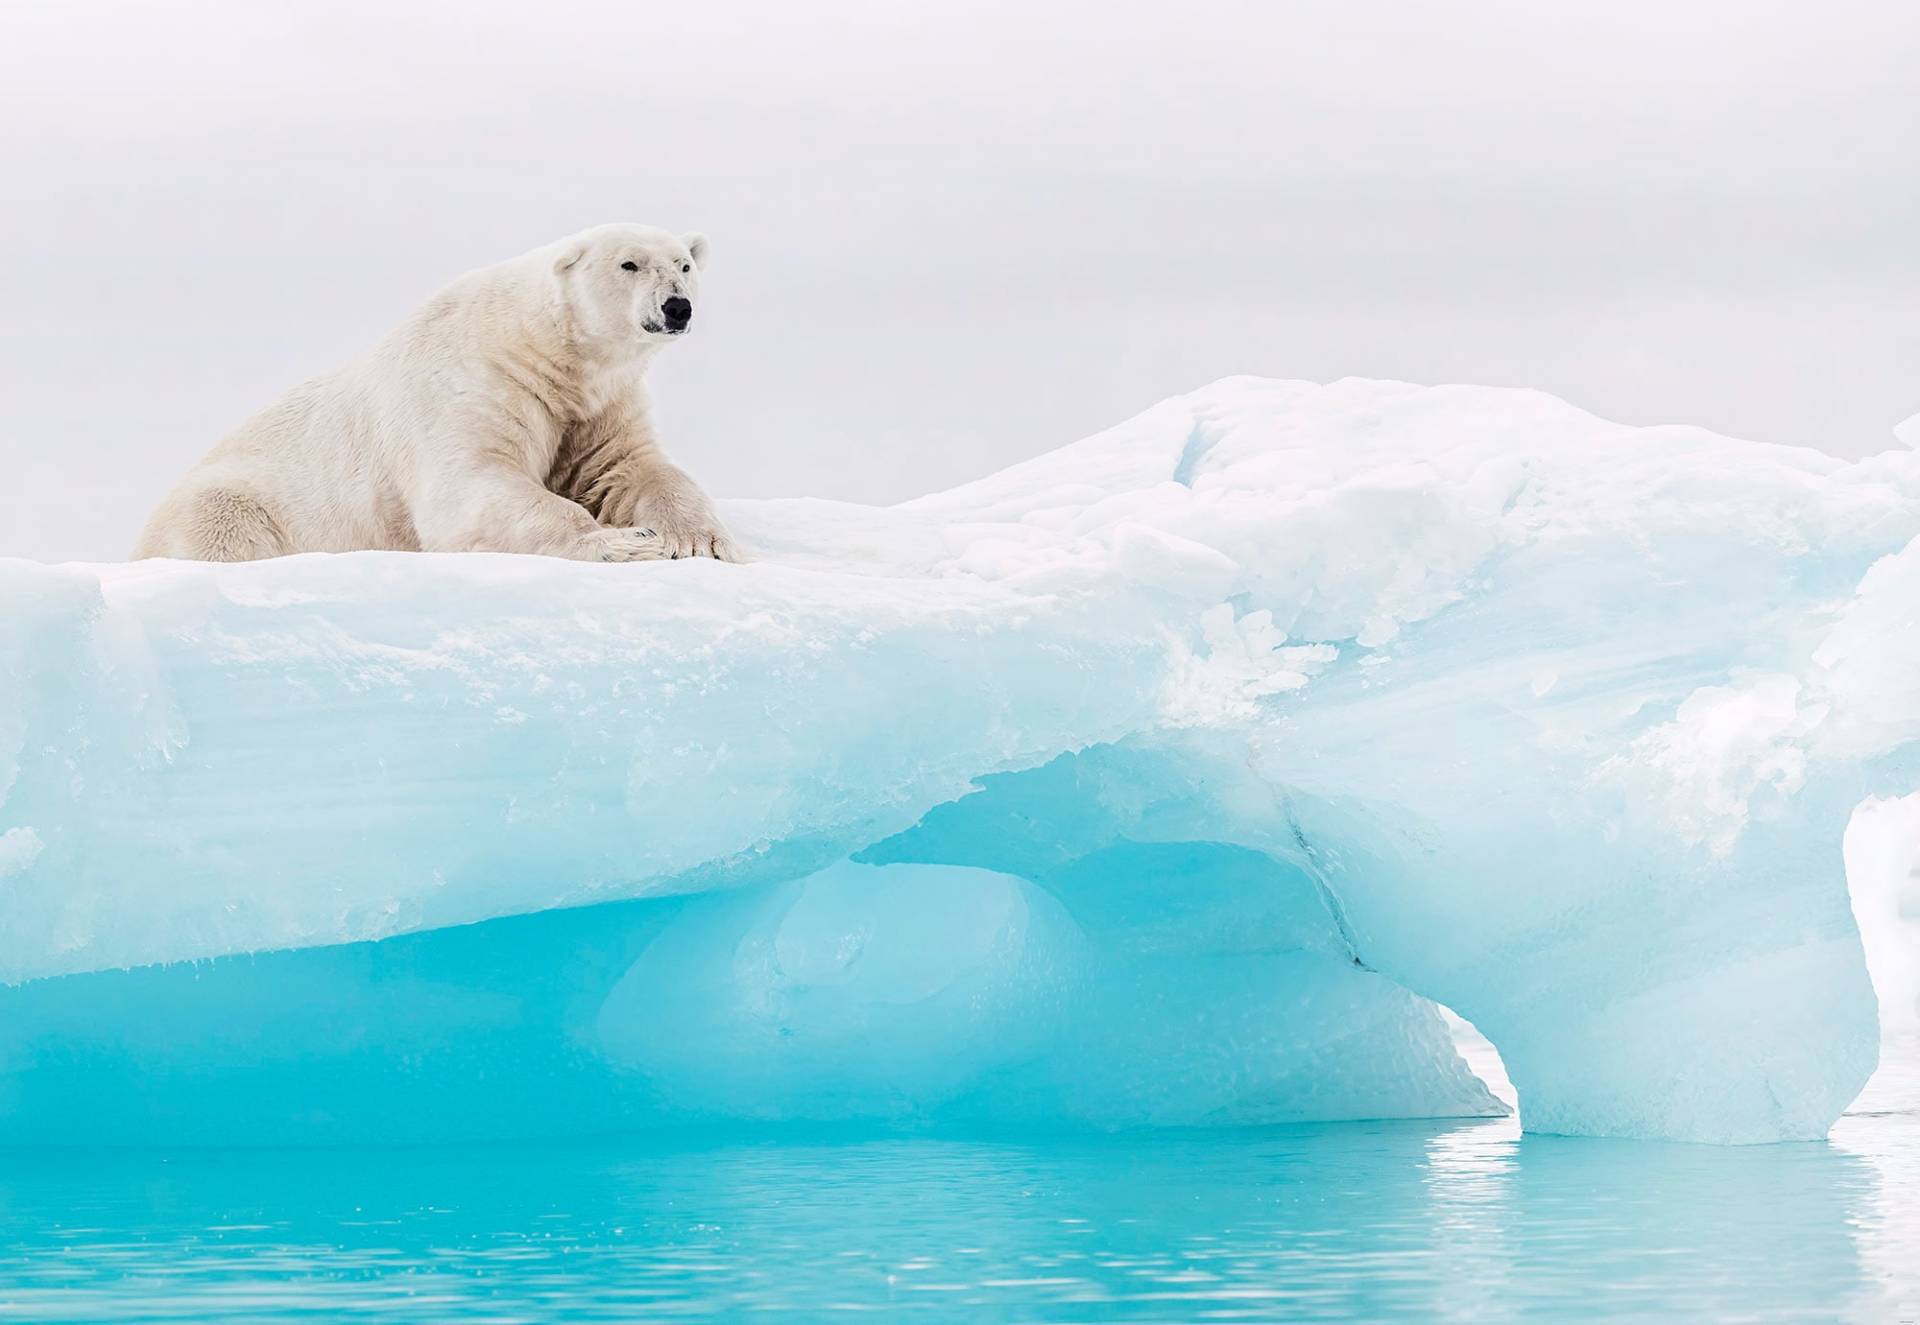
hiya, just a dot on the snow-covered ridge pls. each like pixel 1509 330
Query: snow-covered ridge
pixel 1160 779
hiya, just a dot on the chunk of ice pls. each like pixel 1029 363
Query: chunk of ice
pixel 1169 778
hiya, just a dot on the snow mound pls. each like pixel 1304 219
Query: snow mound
pixel 1171 778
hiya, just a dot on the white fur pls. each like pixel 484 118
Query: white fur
pixel 508 414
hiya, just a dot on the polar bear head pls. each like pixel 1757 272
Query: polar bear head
pixel 630 285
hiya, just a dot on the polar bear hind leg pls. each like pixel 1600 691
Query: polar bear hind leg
pixel 215 524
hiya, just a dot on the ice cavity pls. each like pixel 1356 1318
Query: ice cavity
pixel 906 991
pixel 1883 871
pixel 1171 778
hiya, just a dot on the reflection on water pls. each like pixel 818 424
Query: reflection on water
pixel 1882 1132
pixel 1376 1221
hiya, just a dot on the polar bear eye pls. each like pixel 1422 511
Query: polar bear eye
pixel 686 266
pixel 629 266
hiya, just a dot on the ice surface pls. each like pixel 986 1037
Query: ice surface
pixel 1170 778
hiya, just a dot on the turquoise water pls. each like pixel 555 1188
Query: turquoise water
pixel 1373 1221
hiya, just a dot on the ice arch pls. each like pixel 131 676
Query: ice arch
pixel 1606 1023
pixel 1357 696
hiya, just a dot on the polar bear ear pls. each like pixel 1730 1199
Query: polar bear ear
pixel 568 256
pixel 696 245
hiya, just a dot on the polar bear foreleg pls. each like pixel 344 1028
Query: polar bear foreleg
pixel 498 509
pixel 646 489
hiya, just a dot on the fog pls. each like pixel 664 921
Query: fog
pixel 949 236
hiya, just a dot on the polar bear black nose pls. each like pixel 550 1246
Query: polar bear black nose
pixel 678 313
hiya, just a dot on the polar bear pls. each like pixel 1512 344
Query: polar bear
pixel 508 414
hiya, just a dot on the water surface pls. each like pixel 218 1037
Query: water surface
pixel 1377 1221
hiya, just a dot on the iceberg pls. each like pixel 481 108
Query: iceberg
pixel 1179 777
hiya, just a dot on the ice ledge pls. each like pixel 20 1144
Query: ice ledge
pixel 1277 691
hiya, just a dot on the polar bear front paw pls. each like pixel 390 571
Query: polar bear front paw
pixel 699 540
pixel 625 545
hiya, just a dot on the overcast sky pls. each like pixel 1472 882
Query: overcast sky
pixel 947 236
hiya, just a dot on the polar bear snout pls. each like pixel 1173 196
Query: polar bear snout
pixel 676 312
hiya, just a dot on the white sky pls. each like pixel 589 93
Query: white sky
pixel 949 236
